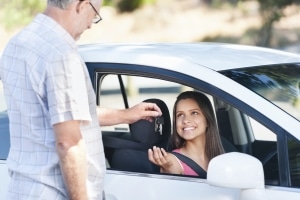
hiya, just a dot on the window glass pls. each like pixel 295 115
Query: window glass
pixel 248 136
pixel 280 84
pixel 294 161
pixel 261 132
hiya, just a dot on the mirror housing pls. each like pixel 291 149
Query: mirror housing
pixel 239 171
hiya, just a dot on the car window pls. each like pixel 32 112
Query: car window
pixel 138 89
pixel 294 161
pixel 251 137
pixel 238 131
pixel 260 132
pixel 280 84
pixel 257 140
pixel 110 96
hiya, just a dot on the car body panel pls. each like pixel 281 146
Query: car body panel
pixel 215 56
pixel 130 54
pixel 159 187
pixel 279 193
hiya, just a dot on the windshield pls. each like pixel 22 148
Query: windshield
pixel 280 84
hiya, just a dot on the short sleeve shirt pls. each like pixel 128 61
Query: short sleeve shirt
pixel 46 82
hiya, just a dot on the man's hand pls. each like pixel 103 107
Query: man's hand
pixel 147 111
pixel 143 110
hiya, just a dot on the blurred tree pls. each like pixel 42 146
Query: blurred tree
pixel 128 5
pixel 218 3
pixel 271 11
pixel 19 12
pixel 107 2
pixel 14 13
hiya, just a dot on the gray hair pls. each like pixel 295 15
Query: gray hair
pixel 63 4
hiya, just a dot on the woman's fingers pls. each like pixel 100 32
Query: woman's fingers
pixel 156 156
pixel 164 153
pixel 159 157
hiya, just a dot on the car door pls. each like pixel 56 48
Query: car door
pixel 124 184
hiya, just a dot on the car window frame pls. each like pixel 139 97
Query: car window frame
pixel 173 76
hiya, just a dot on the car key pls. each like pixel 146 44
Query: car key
pixel 159 121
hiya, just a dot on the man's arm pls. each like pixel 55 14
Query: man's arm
pixel 143 110
pixel 71 151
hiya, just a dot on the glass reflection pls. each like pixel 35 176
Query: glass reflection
pixel 279 84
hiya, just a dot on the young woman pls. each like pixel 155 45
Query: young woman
pixel 195 135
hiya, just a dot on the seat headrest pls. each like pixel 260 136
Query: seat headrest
pixel 144 131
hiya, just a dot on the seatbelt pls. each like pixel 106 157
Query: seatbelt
pixel 192 164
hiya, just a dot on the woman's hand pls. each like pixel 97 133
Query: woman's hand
pixel 160 157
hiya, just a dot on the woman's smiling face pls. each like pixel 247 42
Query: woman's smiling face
pixel 190 121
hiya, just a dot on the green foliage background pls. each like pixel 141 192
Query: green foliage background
pixel 15 13
pixel 128 5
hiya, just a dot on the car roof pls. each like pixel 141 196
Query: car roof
pixel 216 56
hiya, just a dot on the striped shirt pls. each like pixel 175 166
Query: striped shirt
pixel 46 82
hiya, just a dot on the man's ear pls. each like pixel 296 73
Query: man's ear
pixel 81 5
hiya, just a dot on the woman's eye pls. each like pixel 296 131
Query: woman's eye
pixel 179 115
pixel 194 113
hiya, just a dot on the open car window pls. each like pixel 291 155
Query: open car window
pixel 238 131
pixel 137 90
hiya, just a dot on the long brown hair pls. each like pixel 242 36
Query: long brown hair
pixel 213 145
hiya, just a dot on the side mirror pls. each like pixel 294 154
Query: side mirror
pixel 239 171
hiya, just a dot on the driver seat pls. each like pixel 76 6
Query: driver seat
pixel 134 157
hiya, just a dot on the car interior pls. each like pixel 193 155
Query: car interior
pixel 126 145
pixel 129 152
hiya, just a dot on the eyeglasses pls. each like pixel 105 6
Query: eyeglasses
pixel 97 17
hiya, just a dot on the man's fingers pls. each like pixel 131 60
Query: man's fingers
pixel 152 109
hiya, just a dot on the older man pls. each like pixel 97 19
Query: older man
pixel 56 143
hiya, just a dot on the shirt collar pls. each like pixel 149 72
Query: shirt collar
pixel 57 28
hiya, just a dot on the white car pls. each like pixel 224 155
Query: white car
pixel 256 96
